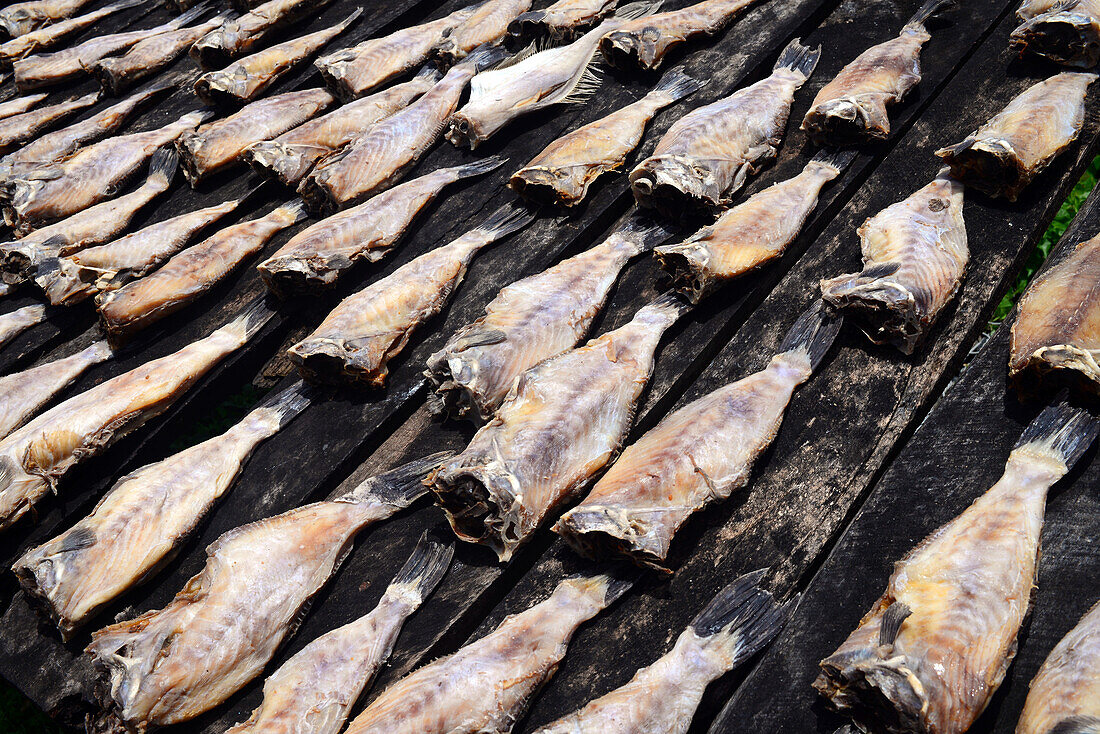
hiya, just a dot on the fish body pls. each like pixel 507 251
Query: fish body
pixel 709 153
pixel 170 665
pixel 52 35
pixel 189 274
pixel 248 78
pixel 562 20
pixel 240 36
pixel 19 105
pixel 914 257
pixel 1002 156
pixel 20 18
pixel 1067 33
pixel 14 323
pixel 646 41
pixel 1031 8
pixel 934 648
pixel 142 520
pixel 23 127
pixel 486 24
pixel 751 234
pixel 485 686
pixel 563 171
pixel 562 422
pixel 530 321
pixel 366 330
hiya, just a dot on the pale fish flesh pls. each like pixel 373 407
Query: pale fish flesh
pixel 486 24
pixel 560 21
pixel 19 18
pixel 23 394
pixel 55 33
pixel 19 105
pixel 1068 33
pixel 1031 8
pixel 21 128
pixel 14 323
pixel 241 35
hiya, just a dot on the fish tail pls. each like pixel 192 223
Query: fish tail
pixel 798 58
pixel 251 319
pixel 158 87
pixel 813 332
pixel 401 486
pixel 476 168
pixel 676 85
pixel 525 23
pixel 426 566
pixel 631 11
pixel 162 167
pixel 429 72
pixel 1062 431
pixel 837 160
pixel 505 220
pixel 122 5
pixel 926 11
pixel 1078 725
pixel 607 587
pixel 645 231
pixel 189 15
pixel 289 402
pixel 343 25
pixel 250 194
pixel 668 304
pixel 295 210
pixel 196 118
pixel 743 617
pixel 483 57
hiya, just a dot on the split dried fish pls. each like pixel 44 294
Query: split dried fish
pixel 246 79
pixel 23 394
pixel 530 321
pixel 95 173
pixel 1067 33
pixel 379 158
pixel 914 257
pixel 699 454
pixel 562 20
pixel 290 157
pixel 143 519
pixel 189 274
pixel 240 36
pixel 352 72
pixel 1002 156
pixel 14 323
pixel 315 257
pixel 366 330
pixel 647 41
pixel 934 648
pixel 662 697
pixel 25 126
pixel 313 692
pixel 108 267
pixel 487 23
pixel 19 105
pixel 851 109
pixel 222 628
pixel 709 153
pixel 1065 693
pixel 485 687
pixel 55 33
pixel 216 145
pixel 751 234
pixel 36 456
pixel 562 422
pixel 19 18
pixel 563 171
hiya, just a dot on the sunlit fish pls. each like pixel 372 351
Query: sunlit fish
pixel 486 24
pixel 934 648
pixel 1031 8
pixel 21 128
pixel 143 519
pixel 19 18
pixel 563 171
pixel 647 41
pixel 240 36
pixel 172 664
pixel 1067 33
pixel 367 329
pixel 55 33
pixel 14 323
pixel 562 20
pixel 1002 156
pixel 709 153
pixel 19 105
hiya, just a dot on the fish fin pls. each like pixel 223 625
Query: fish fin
pixel 926 11
pixel 813 332
pixel 252 318
pixel 476 168
pixel 645 231
pixel 743 616
pixel 426 566
pixel 670 303
pixel 482 338
pixel 189 15
pixel 288 403
pixel 163 165
pixel 522 55
pixel 838 160
pixel 587 84
pixel 55 243
pixel 157 87
pixel 677 85
pixel 799 58
pixel 483 57
pixel 251 193
pixel 122 5
pixel 632 11
pixel 343 25
pixel 296 210
pixel 429 72
pixel 610 586
pixel 1077 725
pixel 506 220
pixel 891 622
pixel 1062 431
pixel 401 486
pixel 78 539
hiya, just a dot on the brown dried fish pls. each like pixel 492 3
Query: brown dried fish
pixel 55 33
pixel 486 24
pixel 563 20
pixel 20 128
pixel 19 105
pixel 1002 156
pixel 14 323
pixel 19 18
pixel 238 37
pixel 1068 33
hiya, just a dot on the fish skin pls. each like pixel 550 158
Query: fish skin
pixel 563 171
pixel 562 20
pixel 241 35
pixel 709 153
pixel 1031 8
pixel 352 72
pixel 23 394
pixel 1066 690
pixel 914 257
pixel 189 274
pixel 19 105
pixel 14 323
pixel 217 145
pixel 139 524
pixel 1002 156
pixel 232 616
pixel 51 35
pixel 248 78
pixel 25 126
pixel 486 24
pixel 1067 33
pixel 20 18
pixel 562 422
pixel 485 686
pixel 317 256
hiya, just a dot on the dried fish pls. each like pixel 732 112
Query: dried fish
pixel 313 692
pixel 1002 156
pixel 1065 693
pixel 563 171
pixel 228 620
pixel 698 454
pixel 238 37
pixel 709 153
pixel 108 267
pixel 367 329
pixel 52 35
pixel 95 173
pixel 14 323
pixel 19 105
pixel 914 257
pixel 245 80
pixel 19 18
pixel 37 455
pixel 1068 33
pixel 315 257
pixel 290 157
pixel 530 321
pixel 486 24
pixel 379 158
pixel 751 234
pixel 217 145
pixel 143 519
pixel 485 686
pixel 646 42
pixel 189 274
pixel 25 126
pixel 352 72
pixel 662 697
pixel 851 109
pixel 562 20
pixel 934 648
pixel 23 394
pixel 1031 8
pixel 562 422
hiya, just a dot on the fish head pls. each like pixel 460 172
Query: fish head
pixel 876 687
pixel 847 121
pixel 1067 37
pixel 638 44
pixel 675 185
pixel 550 185
pixel 469 130
pixel 990 165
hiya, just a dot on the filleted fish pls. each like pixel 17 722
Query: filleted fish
pixel 241 35
pixel 22 127
pixel 487 23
